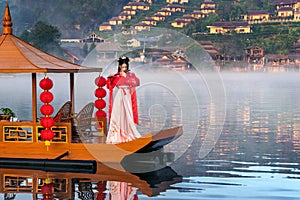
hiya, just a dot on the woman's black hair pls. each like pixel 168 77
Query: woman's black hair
pixel 123 60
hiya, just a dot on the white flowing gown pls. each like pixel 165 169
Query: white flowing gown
pixel 122 127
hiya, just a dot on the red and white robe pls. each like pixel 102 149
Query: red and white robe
pixel 123 112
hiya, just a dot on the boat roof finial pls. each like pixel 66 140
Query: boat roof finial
pixel 7 24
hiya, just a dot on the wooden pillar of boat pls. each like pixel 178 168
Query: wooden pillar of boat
pixel 72 95
pixel 34 98
pixel 34 106
pixel 72 99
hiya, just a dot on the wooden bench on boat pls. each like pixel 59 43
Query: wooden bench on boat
pixel 86 127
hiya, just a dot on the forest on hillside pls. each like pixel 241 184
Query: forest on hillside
pixel 89 14
pixel 64 14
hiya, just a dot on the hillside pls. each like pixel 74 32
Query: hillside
pixel 65 14
pixel 77 18
pixel 83 16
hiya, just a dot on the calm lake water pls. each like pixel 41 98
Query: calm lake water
pixel 249 124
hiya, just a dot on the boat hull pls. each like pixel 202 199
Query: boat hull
pixel 105 153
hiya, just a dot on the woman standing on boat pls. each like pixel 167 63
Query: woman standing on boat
pixel 123 113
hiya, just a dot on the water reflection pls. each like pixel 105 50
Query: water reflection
pixel 107 183
pixel 121 191
pixel 257 154
pixel 255 157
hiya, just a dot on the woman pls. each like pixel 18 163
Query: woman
pixel 123 113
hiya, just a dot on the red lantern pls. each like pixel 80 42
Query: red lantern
pixel 101 186
pixel 46 97
pixel 47 134
pixel 100 103
pixel 47 191
pixel 47 122
pixel 47 188
pixel 100 81
pixel 100 114
pixel 47 109
pixel 46 83
pixel 100 92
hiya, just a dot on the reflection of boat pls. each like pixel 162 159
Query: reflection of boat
pixel 30 181
pixel 19 140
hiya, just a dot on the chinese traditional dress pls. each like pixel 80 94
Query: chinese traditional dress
pixel 123 113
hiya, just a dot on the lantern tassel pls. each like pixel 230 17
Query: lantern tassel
pixel 47 143
pixel 47 180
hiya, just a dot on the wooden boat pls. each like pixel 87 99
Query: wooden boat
pixel 22 140
pixel 27 181
pixel 105 153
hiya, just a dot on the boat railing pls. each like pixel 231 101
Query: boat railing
pixel 29 131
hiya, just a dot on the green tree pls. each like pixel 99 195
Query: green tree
pixel 45 37
pixel 223 9
pixel 236 12
pixel 201 24
pixel 191 28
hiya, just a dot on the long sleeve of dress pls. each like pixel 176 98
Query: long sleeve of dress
pixel 134 82
pixel 130 80
pixel 110 84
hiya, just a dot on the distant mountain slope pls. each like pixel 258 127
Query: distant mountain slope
pixel 65 14
pixel 89 14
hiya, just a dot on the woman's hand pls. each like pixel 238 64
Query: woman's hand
pixel 123 74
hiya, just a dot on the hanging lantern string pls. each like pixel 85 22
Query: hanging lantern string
pixel 46 109
pixel 100 103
